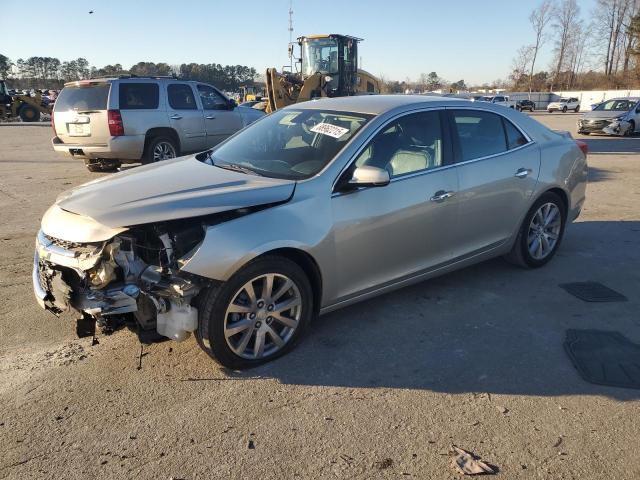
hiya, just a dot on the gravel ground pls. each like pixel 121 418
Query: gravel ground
pixel 377 390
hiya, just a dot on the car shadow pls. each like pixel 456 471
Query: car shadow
pixel 489 328
pixel 600 174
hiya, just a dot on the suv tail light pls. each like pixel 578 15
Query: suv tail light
pixel 116 127
pixel 53 125
pixel 583 146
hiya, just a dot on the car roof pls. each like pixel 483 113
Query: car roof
pixel 377 104
pixel 631 99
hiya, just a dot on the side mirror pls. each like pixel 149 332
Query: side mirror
pixel 367 176
pixel 232 104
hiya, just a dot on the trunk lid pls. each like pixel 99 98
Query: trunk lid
pixel 80 113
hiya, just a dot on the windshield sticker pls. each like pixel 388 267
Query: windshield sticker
pixel 331 130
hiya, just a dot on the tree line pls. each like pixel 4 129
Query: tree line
pixel 50 72
pixel 590 50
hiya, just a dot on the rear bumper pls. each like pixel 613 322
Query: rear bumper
pixel 124 148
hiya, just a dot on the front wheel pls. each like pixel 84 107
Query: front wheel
pixel 257 315
pixel 540 233
pixel 631 129
pixel 577 109
pixel 564 109
pixel 29 114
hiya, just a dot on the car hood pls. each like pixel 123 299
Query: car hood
pixel 174 189
pixel 603 114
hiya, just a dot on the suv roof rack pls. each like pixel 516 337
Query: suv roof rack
pixel 129 75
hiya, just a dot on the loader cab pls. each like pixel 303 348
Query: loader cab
pixel 5 98
pixel 335 57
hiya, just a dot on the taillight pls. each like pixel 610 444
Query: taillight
pixel 583 146
pixel 116 127
pixel 53 125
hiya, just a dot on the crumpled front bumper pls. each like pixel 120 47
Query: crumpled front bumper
pixel 56 295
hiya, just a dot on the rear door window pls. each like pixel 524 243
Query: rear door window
pixel 515 138
pixel 139 96
pixel 83 97
pixel 480 134
pixel 181 97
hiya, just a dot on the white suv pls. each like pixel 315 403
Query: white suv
pixel 111 121
pixel 564 104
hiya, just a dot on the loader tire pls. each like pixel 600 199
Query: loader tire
pixel 29 114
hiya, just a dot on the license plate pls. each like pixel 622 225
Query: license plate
pixel 79 130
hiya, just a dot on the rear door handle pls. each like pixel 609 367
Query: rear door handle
pixel 522 172
pixel 210 117
pixel 175 116
pixel 441 195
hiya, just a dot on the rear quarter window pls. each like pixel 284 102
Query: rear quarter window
pixel 82 98
pixel 139 96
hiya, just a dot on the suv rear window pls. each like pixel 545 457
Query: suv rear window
pixel 82 98
pixel 137 96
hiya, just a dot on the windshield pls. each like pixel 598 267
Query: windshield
pixel 319 55
pixel 616 105
pixel 292 144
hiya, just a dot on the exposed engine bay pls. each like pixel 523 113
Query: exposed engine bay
pixel 132 279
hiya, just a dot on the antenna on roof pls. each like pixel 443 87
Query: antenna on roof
pixel 290 34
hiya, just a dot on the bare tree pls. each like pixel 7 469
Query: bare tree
pixel 520 66
pixel 539 19
pixel 566 15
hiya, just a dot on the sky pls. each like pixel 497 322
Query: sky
pixel 462 39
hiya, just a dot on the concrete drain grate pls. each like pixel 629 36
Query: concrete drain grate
pixel 593 292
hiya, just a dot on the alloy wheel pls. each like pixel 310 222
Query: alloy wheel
pixel 263 316
pixel 163 151
pixel 544 231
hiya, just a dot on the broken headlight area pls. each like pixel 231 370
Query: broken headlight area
pixel 133 279
pixel 617 127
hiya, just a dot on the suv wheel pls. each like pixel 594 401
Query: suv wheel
pixel 158 149
pixel 564 109
pixel 102 165
pixel 257 315
pixel 577 108
pixel 540 233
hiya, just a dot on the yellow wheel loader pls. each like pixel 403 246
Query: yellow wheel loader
pixel 328 67
pixel 23 106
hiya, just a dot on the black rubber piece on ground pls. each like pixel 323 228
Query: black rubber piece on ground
pixel 593 292
pixel 604 357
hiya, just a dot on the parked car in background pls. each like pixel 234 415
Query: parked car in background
pixel 111 121
pixel 317 206
pixel 501 100
pixel 564 104
pixel 617 116
pixel 525 105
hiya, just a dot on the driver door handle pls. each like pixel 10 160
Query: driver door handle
pixel 210 117
pixel 441 196
pixel 175 116
pixel 522 172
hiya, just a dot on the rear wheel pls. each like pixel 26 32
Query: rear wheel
pixel 159 149
pixel 102 165
pixel 257 315
pixel 540 233
pixel 29 114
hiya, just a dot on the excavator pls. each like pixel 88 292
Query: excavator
pixel 328 67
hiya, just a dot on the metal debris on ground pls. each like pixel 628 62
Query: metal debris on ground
pixel 593 292
pixel 469 464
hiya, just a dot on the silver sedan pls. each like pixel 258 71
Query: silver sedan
pixel 312 208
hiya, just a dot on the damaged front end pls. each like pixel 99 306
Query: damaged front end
pixel 618 127
pixel 132 279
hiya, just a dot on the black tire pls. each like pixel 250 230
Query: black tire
pixel 519 254
pixel 102 166
pixel 533 107
pixel 214 300
pixel 153 143
pixel 564 109
pixel 577 109
pixel 29 114
pixel 584 133
pixel 550 111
